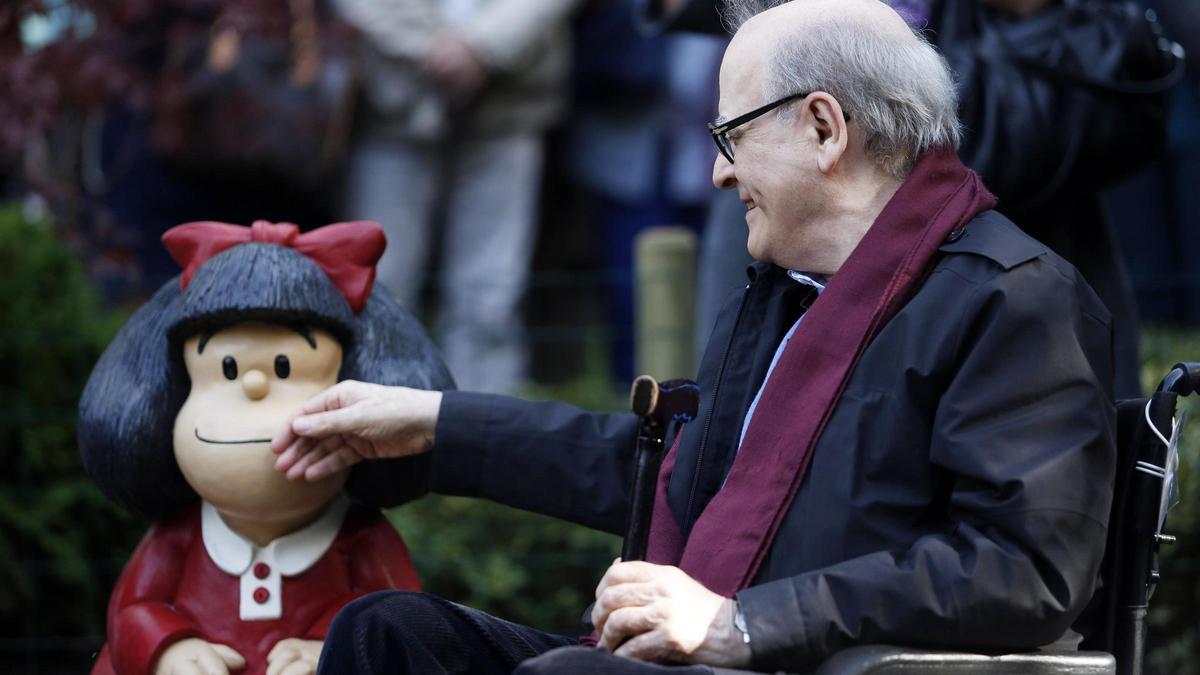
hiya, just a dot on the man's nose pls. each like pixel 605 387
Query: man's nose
pixel 256 385
pixel 723 177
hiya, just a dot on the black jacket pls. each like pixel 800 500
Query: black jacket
pixel 958 497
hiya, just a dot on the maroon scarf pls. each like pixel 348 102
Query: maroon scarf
pixel 734 532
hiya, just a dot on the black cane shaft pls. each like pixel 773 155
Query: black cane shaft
pixel 657 407
pixel 645 476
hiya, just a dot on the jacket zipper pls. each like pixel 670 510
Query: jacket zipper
pixel 712 406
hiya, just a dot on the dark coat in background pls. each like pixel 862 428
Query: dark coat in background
pixel 958 497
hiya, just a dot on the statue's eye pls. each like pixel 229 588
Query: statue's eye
pixel 229 366
pixel 283 367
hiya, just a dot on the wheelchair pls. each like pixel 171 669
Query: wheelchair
pixel 1113 627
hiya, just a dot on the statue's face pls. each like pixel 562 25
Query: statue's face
pixel 246 380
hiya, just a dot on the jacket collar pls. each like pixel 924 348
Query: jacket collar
pixel 293 553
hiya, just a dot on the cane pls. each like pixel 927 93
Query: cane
pixel 657 405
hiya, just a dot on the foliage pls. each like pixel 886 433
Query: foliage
pixel 61 542
pixel 519 566
pixel 1174 621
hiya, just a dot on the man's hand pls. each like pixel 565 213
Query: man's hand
pixel 193 656
pixel 352 421
pixel 658 613
pixel 452 64
pixel 293 656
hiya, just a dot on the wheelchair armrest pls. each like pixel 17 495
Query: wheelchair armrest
pixel 884 659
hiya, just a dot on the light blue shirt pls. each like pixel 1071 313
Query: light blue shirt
pixel 799 278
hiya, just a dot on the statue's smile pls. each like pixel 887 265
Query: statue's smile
pixel 209 440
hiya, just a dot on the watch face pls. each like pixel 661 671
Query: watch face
pixel 739 622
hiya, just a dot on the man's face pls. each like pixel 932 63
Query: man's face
pixel 772 169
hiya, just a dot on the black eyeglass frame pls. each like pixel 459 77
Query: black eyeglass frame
pixel 720 132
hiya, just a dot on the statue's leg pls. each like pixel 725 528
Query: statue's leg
pixel 404 632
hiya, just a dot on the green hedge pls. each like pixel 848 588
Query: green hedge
pixel 516 565
pixel 61 542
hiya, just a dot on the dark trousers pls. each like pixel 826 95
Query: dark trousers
pixel 396 632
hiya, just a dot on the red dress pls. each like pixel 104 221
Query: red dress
pixel 172 589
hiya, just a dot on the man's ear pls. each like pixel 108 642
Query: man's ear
pixel 830 125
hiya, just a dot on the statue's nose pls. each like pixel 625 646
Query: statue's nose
pixel 255 384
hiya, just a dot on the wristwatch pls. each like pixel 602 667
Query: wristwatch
pixel 739 622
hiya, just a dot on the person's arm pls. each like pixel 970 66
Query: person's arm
pixel 546 457
pixel 551 458
pixel 401 30
pixel 503 32
pixel 1026 431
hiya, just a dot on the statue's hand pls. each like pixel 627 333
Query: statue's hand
pixel 293 656
pixel 193 656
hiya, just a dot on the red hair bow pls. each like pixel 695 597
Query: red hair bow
pixel 347 252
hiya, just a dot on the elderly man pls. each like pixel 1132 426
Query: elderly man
pixel 906 433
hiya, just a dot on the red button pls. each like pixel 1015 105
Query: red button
pixel 262 570
pixel 261 595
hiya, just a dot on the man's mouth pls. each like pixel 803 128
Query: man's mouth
pixel 209 440
pixel 750 205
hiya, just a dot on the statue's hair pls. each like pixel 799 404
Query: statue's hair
pixel 128 409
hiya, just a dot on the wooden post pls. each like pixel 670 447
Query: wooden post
pixel 665 302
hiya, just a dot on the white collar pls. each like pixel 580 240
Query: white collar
pixel 815 280
pixel 293 553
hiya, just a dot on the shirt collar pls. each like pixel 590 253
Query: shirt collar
pixel 817 281
pixel 758 268
pixel 293 553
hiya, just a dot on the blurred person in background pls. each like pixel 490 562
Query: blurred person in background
pixel 1157 211
pixel 136 116
pixel 636 144
pixel 459 94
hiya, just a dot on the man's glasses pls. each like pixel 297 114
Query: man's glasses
pixel 720 132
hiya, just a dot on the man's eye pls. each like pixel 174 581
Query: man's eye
pixel 283 367
pixel 229 367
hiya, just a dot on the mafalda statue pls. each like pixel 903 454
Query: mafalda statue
pixel 243 570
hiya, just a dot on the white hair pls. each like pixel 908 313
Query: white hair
pixel 900 92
